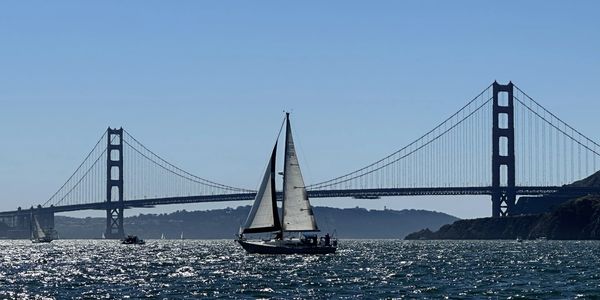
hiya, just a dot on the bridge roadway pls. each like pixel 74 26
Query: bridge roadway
pixel 354 193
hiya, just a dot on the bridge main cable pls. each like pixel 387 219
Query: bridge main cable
pixel 361 172
pixel 183 173
pixel 94 149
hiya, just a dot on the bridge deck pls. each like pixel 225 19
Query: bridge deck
pixel 356 193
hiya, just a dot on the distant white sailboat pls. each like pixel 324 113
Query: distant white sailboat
pixel 182 235
pixel 37 233
pixel 162 237
pixel 297 211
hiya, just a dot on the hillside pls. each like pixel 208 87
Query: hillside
pixel 558 216
pixel 224 223
pixel 577 219
pixel 538 205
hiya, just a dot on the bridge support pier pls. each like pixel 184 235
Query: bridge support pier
pixel 503 156
pixel 20 224
pixel 16 226
pixel 114 184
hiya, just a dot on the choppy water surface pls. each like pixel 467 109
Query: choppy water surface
pixel 369 269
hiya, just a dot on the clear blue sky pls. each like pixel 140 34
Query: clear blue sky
pixel 204 83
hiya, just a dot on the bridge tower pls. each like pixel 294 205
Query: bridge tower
pixel 114 184
pixel 503 156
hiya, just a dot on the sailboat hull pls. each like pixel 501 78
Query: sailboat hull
pixel 284 247
pixel 41 240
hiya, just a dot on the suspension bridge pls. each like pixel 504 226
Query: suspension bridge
pixel 501 143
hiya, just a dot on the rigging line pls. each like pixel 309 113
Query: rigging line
pixel 181 170
pixel 555 127
pixel 414 142
pixel 413 151
pixel 276 140
pixel 551 159
pixel 280 129
pixel 564 153
pixel 543 148
pixel 81 165
pixel 180 175
pixel 560 120
pixel 530 148
pixel 572 155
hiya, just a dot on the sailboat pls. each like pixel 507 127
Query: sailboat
pixel 297 214
pixel 37 233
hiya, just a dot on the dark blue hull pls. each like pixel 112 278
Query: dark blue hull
pixel 258 248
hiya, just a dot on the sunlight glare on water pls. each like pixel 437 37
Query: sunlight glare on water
pixel 363 268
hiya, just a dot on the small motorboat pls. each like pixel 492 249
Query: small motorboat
pixel 132 240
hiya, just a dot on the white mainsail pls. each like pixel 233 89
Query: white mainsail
pixel 263 216
pixel 297 212
pixel 38 232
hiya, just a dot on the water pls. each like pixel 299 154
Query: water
pixel 360 269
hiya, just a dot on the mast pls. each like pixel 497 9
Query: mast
pixel 31 226
pixel 285 158
pixel 285 163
